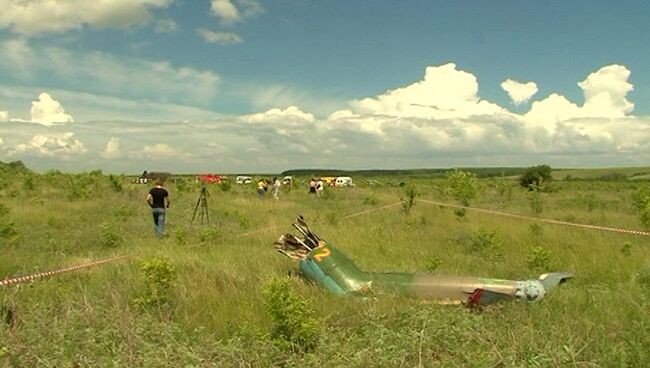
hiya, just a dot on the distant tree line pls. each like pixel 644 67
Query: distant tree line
pixel 480 172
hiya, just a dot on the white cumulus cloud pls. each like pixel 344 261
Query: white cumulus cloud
pixel 113 149
pixel 48 111
pixel 220 38
pixel 160 150
pixel 439 121
pixel 4 116
pixel 444 93
pixel 229 12
pixel 605 92
pixel 291 115
pixel 30 17
pixel 519 92
pixel 61 145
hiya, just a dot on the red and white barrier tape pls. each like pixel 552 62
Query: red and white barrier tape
pixel 40 275
pixel 549 221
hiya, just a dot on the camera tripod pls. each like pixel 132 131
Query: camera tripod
pixel 203 203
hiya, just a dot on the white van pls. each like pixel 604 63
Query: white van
pixel 343 181
pixel 244 180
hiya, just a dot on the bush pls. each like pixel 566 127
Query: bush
pixel 115 182
pixel 124 212
pixel 29 181
pixel 371 200
pixel 78 187
pixel 328 193
pixel 209 235
pixel 539 259
pixel 181 236
pixel 225 186
pixel 408 198
pixel 643 278
pixel 463 186
pixel 109 236
pixel 295 325
pixel 159 275
pixel 8 229
pixel 626 249
pixel 536 200
pixel 485 242
pixel 433 262
pixel 535 177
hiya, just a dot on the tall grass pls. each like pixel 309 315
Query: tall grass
pixel 215 312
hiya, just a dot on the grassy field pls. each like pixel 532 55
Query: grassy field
pixel 215 311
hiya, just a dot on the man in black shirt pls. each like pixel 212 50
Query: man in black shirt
pixel 158 200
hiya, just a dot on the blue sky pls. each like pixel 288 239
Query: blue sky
pixel 250 85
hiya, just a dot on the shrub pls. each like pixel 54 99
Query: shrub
pixel 8 229
pixel 535 177
pixel 536 230
pixel 644 212
pixel 485 242
pixel 626 249
pixel 225 186
pixel 159 275
pixel 371 200
pixel 460 214
pixel 109 236
pixel 433 262
pixel 328 193
pixel 536 200
pixel 209 235
pixel 539 259
pixel 124 212
pixel 78 187
pixel 4 210
pixel 244 222
pixel 180 236
pixel 29 181
pixel 115 182
pixel 295 325
pixel 463 186
pixel 643 278
pixel 407 198
pixel 504 188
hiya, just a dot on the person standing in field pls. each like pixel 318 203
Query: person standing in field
pixel 158 200
pixel 261 188
pixel 312 186
pixel 275 188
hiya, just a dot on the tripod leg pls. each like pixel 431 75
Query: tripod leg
pixel 195 208
pixel 207 212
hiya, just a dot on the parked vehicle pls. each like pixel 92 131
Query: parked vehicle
pixel 343 181
pixel 243 179
pixel 210 178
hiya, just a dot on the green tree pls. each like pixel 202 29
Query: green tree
pixel 535 177
pixel 463 186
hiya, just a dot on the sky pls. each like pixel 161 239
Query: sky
pixel 237 86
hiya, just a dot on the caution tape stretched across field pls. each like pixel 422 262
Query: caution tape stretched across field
pixel 549 221
pixel 40 275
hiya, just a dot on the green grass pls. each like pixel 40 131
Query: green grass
pixel 216 314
